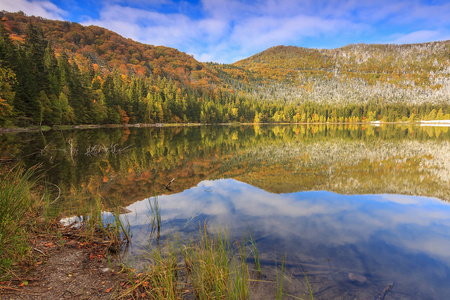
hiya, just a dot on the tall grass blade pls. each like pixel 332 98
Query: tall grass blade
pixel 280 279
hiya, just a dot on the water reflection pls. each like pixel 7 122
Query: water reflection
pixel 129 164
pixel 262 177
pixel 384 238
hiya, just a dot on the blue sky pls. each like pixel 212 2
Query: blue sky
pixel 228 30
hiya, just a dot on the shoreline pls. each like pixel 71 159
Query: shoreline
pixel 433 123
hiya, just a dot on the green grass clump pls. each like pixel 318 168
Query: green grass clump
pixel 23 208
pixel 211 267
pixel 215 269
pixel 15 202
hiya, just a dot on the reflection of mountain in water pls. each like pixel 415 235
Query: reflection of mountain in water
pixel 134 163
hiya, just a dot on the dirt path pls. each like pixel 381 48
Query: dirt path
pixel 68 268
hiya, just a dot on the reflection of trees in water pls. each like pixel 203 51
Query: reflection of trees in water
pixel 345 158
pixel 404 167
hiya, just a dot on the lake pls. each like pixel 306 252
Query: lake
pixel 357 208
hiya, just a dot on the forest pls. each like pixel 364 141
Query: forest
pixel 62 73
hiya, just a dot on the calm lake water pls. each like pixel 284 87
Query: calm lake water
pixel 355 208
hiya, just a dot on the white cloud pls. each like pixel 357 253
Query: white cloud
pixel 421 36
pixel 45 9
pixel 173 30
pixel 228 30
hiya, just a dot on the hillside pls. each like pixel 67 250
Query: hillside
pixel 415 73
pixel 401 65
pixel 58 73
pixel 62 73
pixel 107 50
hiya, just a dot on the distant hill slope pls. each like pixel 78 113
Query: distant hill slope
pixel 108 50
pixel 401 65
pixel 415 72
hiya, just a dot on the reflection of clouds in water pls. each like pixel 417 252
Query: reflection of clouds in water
pixel 400 199
pixel 412 223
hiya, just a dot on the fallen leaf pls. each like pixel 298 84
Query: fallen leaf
pixel 108 290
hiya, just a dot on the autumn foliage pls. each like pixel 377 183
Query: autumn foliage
pixel 62 73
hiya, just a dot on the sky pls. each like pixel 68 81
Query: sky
pixel 226 31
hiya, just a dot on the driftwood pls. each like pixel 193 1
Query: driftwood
pixel 383 293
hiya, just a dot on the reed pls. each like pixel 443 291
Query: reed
pixel 211 267
pixel 280 279
pixel 311 297
pixel 159 278
pixel 216 268
pixel 155 214
pixel 255 252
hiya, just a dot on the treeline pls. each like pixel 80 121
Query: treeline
pixel 41 86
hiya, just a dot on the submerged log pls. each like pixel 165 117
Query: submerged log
pixel 383 293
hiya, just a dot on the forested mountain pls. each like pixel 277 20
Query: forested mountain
pixel 413 74
pixel 104 50
pixel 58 73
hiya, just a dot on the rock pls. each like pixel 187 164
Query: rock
pixel 357 278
